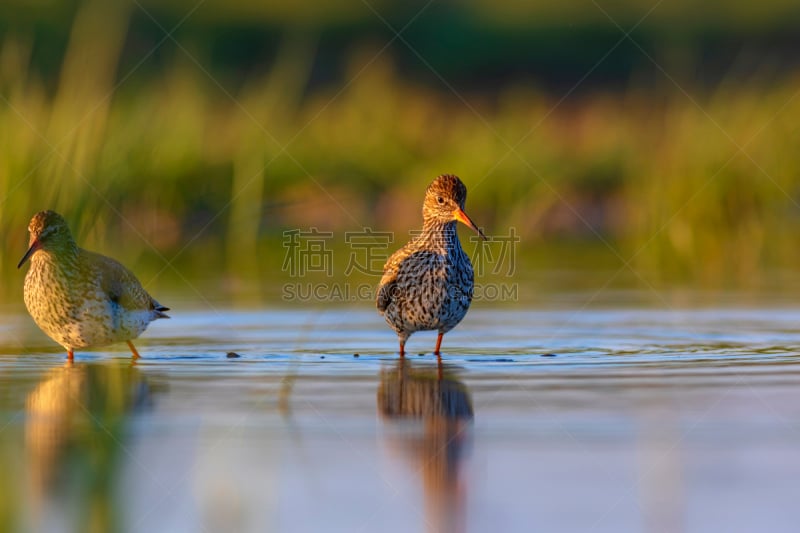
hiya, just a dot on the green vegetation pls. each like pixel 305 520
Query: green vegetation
pixel 190 174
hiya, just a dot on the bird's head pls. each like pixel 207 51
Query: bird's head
pixel 444 202
pixel 48 231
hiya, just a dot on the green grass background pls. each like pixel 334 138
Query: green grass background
pixel 671 160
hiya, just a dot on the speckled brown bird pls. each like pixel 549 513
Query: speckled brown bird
pixel 428 283
pixel 79 298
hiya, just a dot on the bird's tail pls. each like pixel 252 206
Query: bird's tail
pixel 159 310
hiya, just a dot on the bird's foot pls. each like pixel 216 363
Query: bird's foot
pixel 133 350
pixel 437 351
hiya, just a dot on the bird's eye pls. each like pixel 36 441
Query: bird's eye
pixel 440 199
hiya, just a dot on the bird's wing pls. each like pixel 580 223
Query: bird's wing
pixel 120 284
pixel 388 282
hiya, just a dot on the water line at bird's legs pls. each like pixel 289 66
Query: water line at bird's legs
pixel 133 350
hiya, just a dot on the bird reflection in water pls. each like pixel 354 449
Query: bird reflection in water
pixel 74 435
pixel 436 448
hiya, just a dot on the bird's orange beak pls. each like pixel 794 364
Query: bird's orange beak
pixel 461 216
pixel 35 245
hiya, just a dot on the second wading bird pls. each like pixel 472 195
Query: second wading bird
pixel 428 283
pixel 80 298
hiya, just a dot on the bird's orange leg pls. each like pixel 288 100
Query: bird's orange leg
pixel 133 350
pixel 402 348
pixel 70 355
pixel 438 344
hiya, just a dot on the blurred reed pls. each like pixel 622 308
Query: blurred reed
pixel 181 174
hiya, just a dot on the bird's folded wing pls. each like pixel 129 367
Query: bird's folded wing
pixel 121 285
pixel 388 281
pixel 385 295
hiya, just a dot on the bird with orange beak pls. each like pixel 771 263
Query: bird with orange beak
pixel 428 283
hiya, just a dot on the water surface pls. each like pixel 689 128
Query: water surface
pixel 594 420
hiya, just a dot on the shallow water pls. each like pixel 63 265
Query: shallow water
pixel 593 420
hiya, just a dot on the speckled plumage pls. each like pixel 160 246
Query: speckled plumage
pixel 428 283
pixel 79 298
